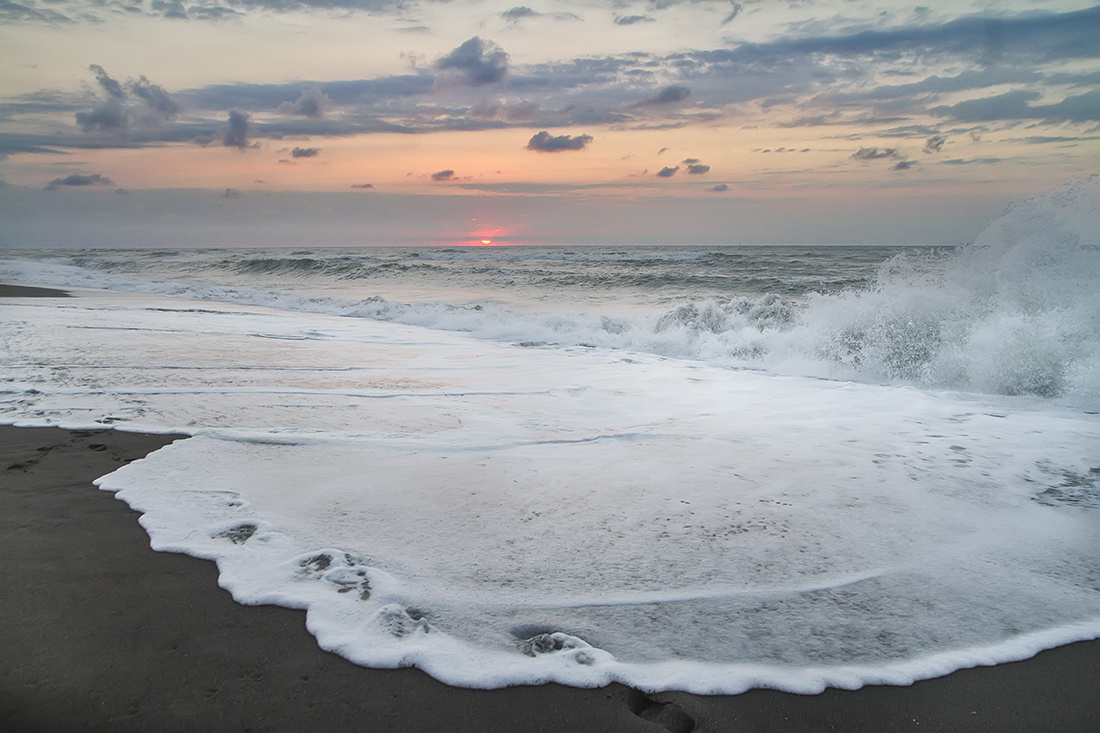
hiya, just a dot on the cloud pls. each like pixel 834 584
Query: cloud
pixel 1045 139
pixel 112 87
pixel 544 142
pixel 231 193
pixel 667 172
pixel 236 134
pixel 518 13
pixel 108 117
pixel 984 161
pixel 14 12
pixel 311 102
pixel 480 62
pixel 904 165
pixel 1033 36
pixel 79 179
pixel 170 9
pixel 524 111
pixel 214 12
pixel 1016 104
pixel 934 144
pixel 875 153
pixel 370 6
pixel 155 96
pixel 719 187
pixel 337 93
pixel 689 161
pixel 734 12
pixel 522 12
pixel 698 169
pixel 444 175
pixel 668 95
pixel 113 116
pixel 305 152
pixel 632 19
pixel 362 185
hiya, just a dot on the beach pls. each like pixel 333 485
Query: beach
pixel 102 633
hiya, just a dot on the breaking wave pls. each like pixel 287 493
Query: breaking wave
pixel 1017 312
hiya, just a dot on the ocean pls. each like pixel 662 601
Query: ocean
pixel 680 467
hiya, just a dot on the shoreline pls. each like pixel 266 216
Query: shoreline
pixel 101 632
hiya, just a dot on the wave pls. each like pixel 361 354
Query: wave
pixel 1017 312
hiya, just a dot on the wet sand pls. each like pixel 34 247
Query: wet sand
pixel 99 632
pixel 27 291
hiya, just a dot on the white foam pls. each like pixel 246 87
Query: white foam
pixel 459 505
pixel 1014 313
pixel 501 515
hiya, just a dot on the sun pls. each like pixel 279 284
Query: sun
pixel 486 241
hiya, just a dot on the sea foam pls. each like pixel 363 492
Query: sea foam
pixel 1015 312
pixel 497 514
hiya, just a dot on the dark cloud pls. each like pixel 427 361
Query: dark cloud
pixel 719 187
pixel 14 13
pixel 734 12
pixel 337 93
pixel 667 172
pixel 632 19
pixel 904 165
pixel 237 130
pixel 155 96
pixel 108 117
pixel 480 62
pixel 1012 104
pixel 816 80
pixel 311 102
pixel 305 152
pixel 960 161
pixel 698 169
pixel 934 144
pixel 214 12
pixel 231 193
pixel 522 12
pixel 115 114
pixel 544 142
pixel 347 5
pixel 875 153
pixel 170 9
pixel 668 95
pixel 362 185
pixel 524 111
pixel 79 179
pixel 109 85
pixel 688 161
pixel 935 84
pixel 518 13
pixel 1045 139
pixel 1017 105
pixel 1038 36
pixel 111 116
pixel 444 175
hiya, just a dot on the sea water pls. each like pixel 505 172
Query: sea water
pixel 676 467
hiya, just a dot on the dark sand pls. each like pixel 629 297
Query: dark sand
pixel 27 291
pixel 98 632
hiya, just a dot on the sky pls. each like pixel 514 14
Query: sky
pixel 360 122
